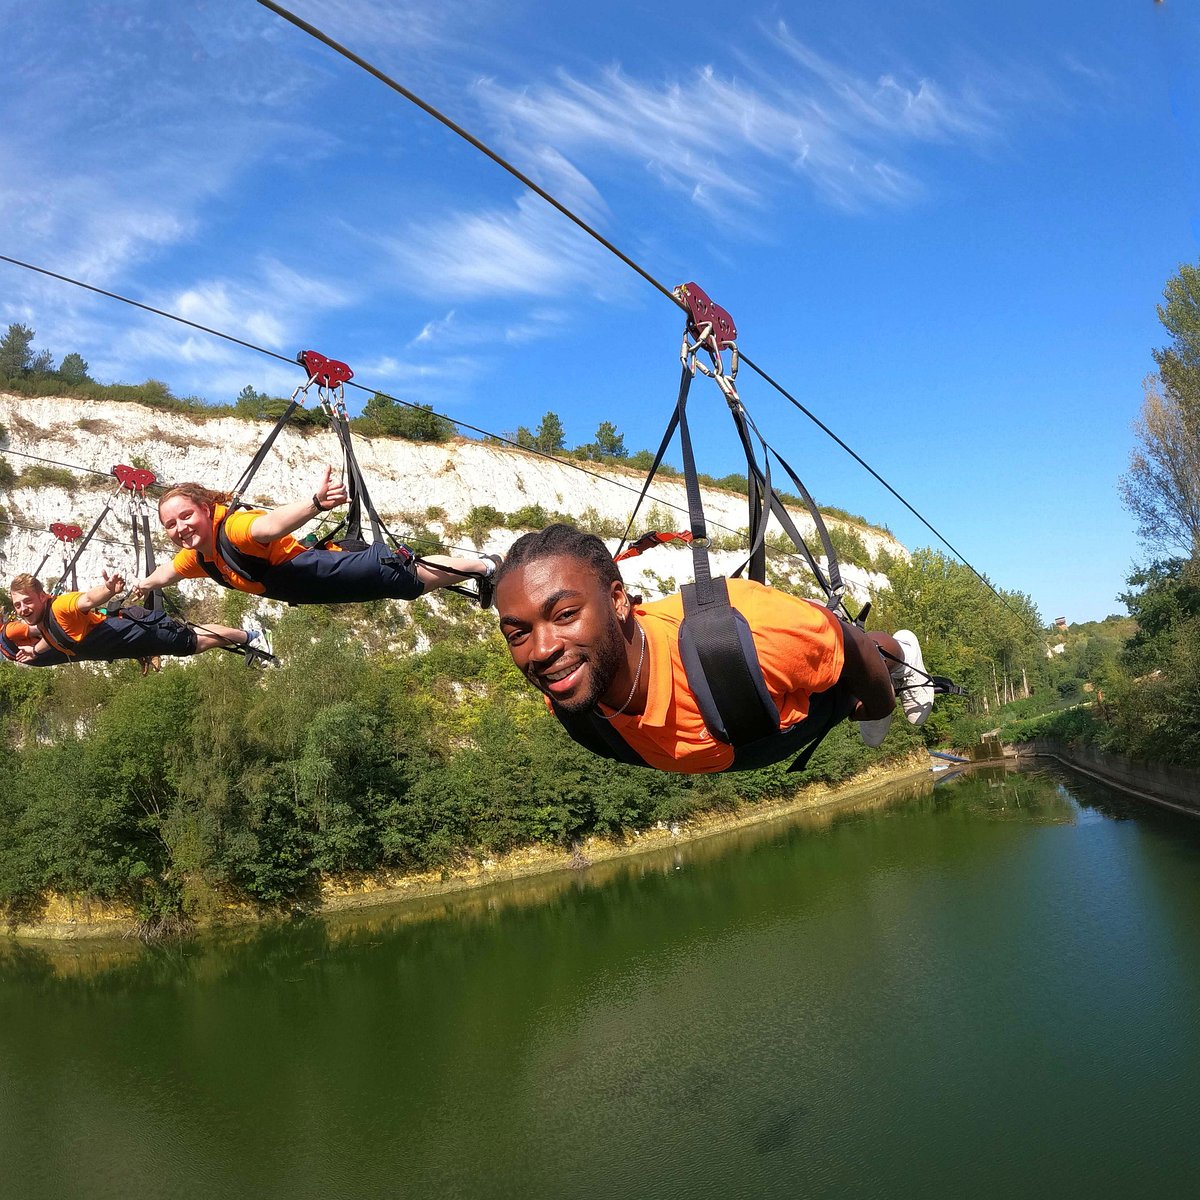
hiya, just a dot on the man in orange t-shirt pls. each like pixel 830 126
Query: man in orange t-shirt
pixel 595 653
pixel 76 626
pixel 16 636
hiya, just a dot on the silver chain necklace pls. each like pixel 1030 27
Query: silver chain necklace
pixel 636 676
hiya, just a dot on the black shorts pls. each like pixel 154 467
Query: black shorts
pixel 135 632
pixel 321 576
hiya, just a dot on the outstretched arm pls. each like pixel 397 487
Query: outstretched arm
pixel 160 577
pixel 102 593
pixel 289 517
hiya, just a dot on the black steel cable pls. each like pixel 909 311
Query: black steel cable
pixel 170 316
pixel 861 462
pixel 111 541
pixel 56 462
pixel 158 312
pixel 485 433
pixel 481 146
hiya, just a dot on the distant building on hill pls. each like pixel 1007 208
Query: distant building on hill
pixel 1061 622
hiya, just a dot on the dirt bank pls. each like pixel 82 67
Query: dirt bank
pixel 68 918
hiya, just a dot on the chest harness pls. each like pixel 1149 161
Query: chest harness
pixel 342 566
pixel 715 642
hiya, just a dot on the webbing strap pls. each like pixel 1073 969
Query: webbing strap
pixel 143 550
pixel 69 568
pixel 702 570
pixel 758 488
pixel 764 502
pixel 248 566
pixel 360 498
pixel 37 571
pixel 684 384
pixel 56 635
pixel 712 622
pixel 716 638
pixel 156 598
pixel 261 453
pixel 831 582
pixel 596 734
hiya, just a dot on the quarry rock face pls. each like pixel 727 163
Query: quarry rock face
pixel 413 484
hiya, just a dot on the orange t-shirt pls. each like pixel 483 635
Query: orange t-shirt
pixel 75 624
pixel 799 647
pixel 20 633
pixel 237 529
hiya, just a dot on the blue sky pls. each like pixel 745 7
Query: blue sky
pixel 943 227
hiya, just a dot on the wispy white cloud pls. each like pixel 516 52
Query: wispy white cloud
pixel 270 306
pixel 436 331
pixel 405 23
pixel 727 141
pixel 525 251
pixel 134 123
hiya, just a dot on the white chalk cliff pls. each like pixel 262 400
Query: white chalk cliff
pixel 406 479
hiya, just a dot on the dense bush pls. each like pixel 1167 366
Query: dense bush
pixel 209 782
pixel 40 475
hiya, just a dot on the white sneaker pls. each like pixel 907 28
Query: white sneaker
pixel 913 688
pixel 260 640
pixel 873 732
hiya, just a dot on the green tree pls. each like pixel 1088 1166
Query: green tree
pixel 249 403
pixel 16 351
pixel 609 442
pixel 550 437
pixel 1161 489
pixel 382 411
pixel 977 637
pixel 1179 363
pixel 416 422
pixel 74 369
pixel 271 408
pixel 1164 599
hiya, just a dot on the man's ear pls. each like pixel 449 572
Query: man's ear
pixel 620 600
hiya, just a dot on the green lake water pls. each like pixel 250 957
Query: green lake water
pixel 985 988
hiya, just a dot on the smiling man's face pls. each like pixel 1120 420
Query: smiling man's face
pixel 561 622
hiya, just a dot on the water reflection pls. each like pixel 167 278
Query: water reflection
pixel 969 985
pixel 283 952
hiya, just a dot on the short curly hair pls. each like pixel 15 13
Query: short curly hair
pixel 26 583
pixel 565 541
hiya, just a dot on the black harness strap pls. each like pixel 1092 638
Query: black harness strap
pixel 596 734
pixel 143 549
pixel 684 384
pixel 721 648
pixel 716 644
pixel 261 453
pixel 8 647
pixel 69 568
pixel 56 635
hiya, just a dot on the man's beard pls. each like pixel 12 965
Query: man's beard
pixel 604 663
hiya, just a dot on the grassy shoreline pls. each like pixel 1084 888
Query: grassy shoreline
pixel 73 918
